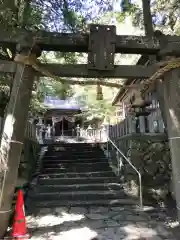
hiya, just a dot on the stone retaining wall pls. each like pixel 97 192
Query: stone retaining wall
pixel 153 161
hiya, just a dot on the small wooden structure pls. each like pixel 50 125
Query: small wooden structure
pixel 142 114
pixel 62 116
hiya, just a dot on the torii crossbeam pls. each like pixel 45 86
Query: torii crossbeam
pixel 47 41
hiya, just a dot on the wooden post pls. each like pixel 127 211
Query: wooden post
pixel 151 119
pixel 172 112
pixel 13 137
pixel 131 123
pixel 1 124
pixel 142 124
pixel 160 121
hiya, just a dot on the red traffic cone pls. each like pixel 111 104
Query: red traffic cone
pixel 19 229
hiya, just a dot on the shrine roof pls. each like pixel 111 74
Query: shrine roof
pixel 122 92
pixel 52 102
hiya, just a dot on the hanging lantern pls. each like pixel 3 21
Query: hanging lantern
pixel 99 93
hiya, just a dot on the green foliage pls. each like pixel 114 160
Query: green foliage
pixel 128 6
pixel 64 15
pixel 71 15
pixel 15 14
pixel 23 13
pixel 46 86
pixel 165 14
pixel 71 19
pixel 99 109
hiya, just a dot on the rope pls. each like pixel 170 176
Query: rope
pixel 6 211
pixel 31 61
pixel 172 138
pixel 13 141
pixel 169 65
pixel 163 68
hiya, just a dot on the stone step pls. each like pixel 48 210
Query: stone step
pixel 76 168
pixel 73 145
pixel 73 165
pixel 78 174
pixel 72 148
pixel 76 154
pixel 74 159
pixel 72 156
pixel 71 160
pixel 78 195
pixel 79 187
pixel 68 154
pixel 75 150
pixel 105 203
pixel 80 180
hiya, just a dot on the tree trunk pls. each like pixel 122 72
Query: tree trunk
pixel 172 113
pixel 148 25
pixel 13 136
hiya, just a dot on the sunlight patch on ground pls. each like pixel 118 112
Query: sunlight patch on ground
pixel 52 220
pixel 132 230
pixel 173 224
pixel 80 234
pixel 84 233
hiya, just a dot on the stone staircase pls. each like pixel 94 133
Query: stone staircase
pixel 76 174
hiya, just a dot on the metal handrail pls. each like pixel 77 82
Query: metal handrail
pixel 133 167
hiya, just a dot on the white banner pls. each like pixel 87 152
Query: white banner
pixel 60 118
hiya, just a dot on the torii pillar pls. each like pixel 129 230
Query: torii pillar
pixel 13 136
pixel 171 89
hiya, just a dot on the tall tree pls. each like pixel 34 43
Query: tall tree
pixel 165 14
pixel 70 15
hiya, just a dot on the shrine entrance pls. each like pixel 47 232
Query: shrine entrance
pixel 64 127
pixel 58 129
pixel 62 116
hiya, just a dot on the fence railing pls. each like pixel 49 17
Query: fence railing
pixel 93 134
pixel 30 132
pixel 142 124
pixel 90 134
pixel 109 141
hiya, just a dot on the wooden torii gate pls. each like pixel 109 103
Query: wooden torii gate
pixel 101 44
